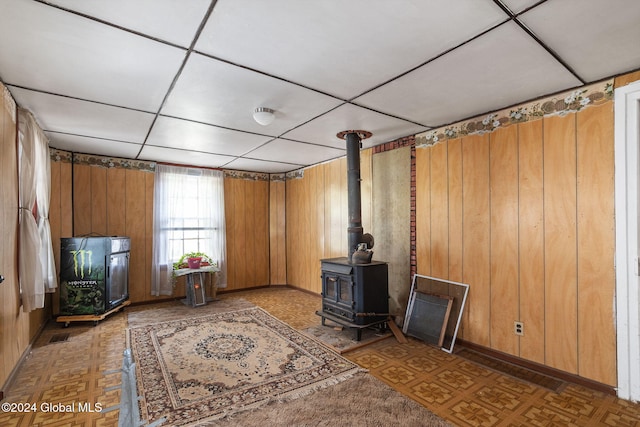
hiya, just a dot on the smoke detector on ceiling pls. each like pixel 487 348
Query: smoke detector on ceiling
pixel 264 116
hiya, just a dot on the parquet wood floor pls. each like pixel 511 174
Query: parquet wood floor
pixel 81 374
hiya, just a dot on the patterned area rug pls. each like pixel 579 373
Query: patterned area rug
pixel 202 368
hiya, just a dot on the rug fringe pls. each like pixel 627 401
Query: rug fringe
pixel 309 389
pixel 284 398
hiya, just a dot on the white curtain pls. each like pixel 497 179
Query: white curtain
pixel 29 265
pixel 43 201
pixel 170 199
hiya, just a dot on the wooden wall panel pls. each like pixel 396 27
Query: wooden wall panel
pixel 331 220
pixel 454 158
pixel 241 273
pixel 335 240
pixel 423 210
pixel 230 227
pixel 560 243
pixel 439 211
pixel 304 240
pixel 277 235
pixel 55 214
pixel 251 269
pixel 504 238
pixel 247 223
pixel 309 239
pixel 304 236
pixel 260 232
pixel 99 201
pixel 235 246
pixel 476 244
pixel 55 220
pixel 60 214
pixel 531 240
pixel 316 210
pixel 596 232
pixel 626 79
pixel 66 200
pixel 81 200
pixel 317 205
pixel 292 211
pixel 116 207
pixel 134 194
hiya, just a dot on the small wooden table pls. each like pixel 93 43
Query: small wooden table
pixel 195 286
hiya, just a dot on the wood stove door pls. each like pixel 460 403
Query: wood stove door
pixel 338 292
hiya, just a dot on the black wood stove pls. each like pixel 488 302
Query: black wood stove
pixel 354 295
pixel 355 289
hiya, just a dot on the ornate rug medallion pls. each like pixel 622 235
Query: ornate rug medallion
pixel 206 367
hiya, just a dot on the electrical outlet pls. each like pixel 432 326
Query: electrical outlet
pixel 518 328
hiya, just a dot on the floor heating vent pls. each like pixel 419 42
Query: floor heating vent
pixel 59 338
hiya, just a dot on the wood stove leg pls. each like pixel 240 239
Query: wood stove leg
pixel 358 334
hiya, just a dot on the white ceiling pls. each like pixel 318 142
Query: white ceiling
pixel 177 81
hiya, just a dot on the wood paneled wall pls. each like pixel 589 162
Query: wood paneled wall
pixel 524 215
pixel 60 213
pixel 317 218
pixel 17 329
pixel 277 233
pixel 111 202
pixel 247 215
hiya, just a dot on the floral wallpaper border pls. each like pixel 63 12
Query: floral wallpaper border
pixel 145 166
pixel 296 174
pixel 561 104
pixel 100 161
pixel 253 176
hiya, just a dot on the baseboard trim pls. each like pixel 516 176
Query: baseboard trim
pixel 542 369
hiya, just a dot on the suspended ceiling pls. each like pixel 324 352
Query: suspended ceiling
pixel 177 81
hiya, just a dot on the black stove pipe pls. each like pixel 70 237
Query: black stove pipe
pixel 354 230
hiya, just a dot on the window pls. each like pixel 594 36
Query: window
pixel 190 227
pixel 188 217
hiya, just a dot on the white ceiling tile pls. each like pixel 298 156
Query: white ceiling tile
pixel 95 73
pixel 68 115
pixel 218 93
pixel 324 129
pixel 75 56
pixel 173 155
pixel 341 47
pixel 517 6
pixel 295 152
pixel 177 133
pixel 261 166
pixel 103 147
pixel 496 70
pixel 596 38
pixel 167 20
